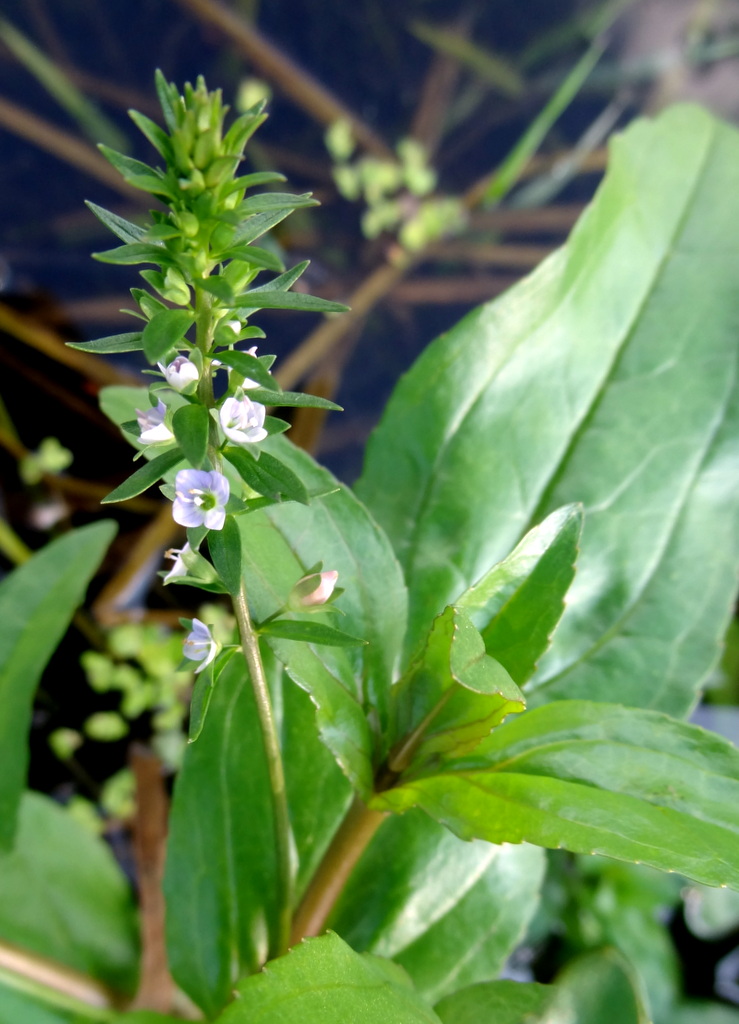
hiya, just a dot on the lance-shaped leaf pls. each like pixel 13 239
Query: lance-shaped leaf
pixel 267 475
pixel 145 476
pixel 129 342
pixel 136 252
pixel 323 981
pixel 220 881
pixel 595 778
pixel 518 604
pixel 336 530
pixel 606 377
pixel 63 896
pixel 190 425
pixel 449 912
pixel 37 602
pixel 248 366
pixel 124 229
pixel 310 633
pixel 453 695
pixel 275 299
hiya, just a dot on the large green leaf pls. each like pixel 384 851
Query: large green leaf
pixel 220 879
pixel 323 981
pixel 449 912
pixel 337 530
pixel 607 377
pixel 63 896
pixel 596 987
pixel 595 778
pixel 37 602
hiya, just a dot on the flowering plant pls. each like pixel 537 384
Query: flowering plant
pixel 333 775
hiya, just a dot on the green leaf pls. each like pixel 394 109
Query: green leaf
pixel 309 632
pixel 220 882
pixel 268 201
pixel 165 331
pixel 599 986
pixel 217 286
pixel 451 697
pixel 145 476
pixel 608 377
pixel 520 601
pixel 284 281
pixel 136 252
pixel 287 300
pixel 135 172
pixel 190 424
pixel 280 543
pixel 225 550
pixel 323 981
pixel 255 256
pixel 114 343
pixel 156 135
pixel 449 912
pixel 595 778
pixel 291 398
pixel 505 1002
pixel 200 701
pixel 248 366
pixel 258 225
pixel 267 475
pixel 37 602
pixel 124 229
pixel 63 896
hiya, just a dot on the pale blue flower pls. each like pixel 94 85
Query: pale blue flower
pixel 243 420
pixel 201 498
pixel 153 428
pixel 199 645
pixel 180 373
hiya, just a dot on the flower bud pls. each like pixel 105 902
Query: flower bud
pixel 175 288
pixel 180 373
pixel 312 590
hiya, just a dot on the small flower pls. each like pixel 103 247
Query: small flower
pixel 178 557
pixel 199 645
pixel 180 373
pixel 201 497
pixel 248 382
pixel 153 428
pixel 243 420
pixel 315 589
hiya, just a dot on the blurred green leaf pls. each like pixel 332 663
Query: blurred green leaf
pixel 504 1002
pixel 595 778
pixel 225 550
pixel 323 981
pixel 608 378
pixel 492 68
pixel 597 987
pixel 63 896
pixel 37 602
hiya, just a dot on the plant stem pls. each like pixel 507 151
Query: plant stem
pixel 55 985
pixel 347 846
pixel 281 820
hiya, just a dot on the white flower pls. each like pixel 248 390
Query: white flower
pixel 248 382
pixel 201 497
pixel 180 373
pixel 153 428
pixel 243 420
pixel 323 589
pixel 178 557
pixel 199 645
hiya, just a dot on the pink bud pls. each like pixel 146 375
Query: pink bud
pixel 324 588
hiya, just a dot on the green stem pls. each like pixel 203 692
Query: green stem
pixel 281 820
pixel 347 846
pixel 55 985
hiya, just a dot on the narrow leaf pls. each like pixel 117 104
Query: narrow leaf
pixel 190 424
pixel 309 632
pixel 200 701
pixel 156 135
pixel 225 550
pixel 114 343
pixel 145 476
pixel 37 602
pixel 287 300
pixel 135 252
pixel 292 398
pixel 268 201
pixel 165 331
pixel 255 256
pixel 258 225
pixel 323 981
pixel 267 475
pixel 134 171
pixel 121 227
